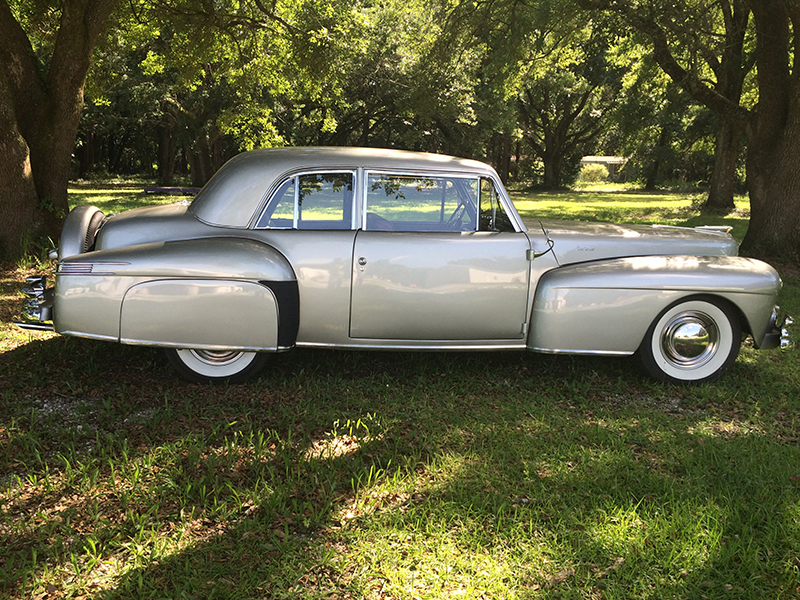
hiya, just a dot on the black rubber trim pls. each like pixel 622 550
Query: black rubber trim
pixel 288 296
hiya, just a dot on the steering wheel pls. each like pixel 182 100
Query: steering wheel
pixel 455 220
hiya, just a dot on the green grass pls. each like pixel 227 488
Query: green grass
pixel 118 198
pixel 377 475
pixel 627 206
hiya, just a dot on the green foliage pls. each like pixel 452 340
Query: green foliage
pixel 593 173
pixel 191 83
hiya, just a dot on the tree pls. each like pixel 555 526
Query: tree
pixel 771 122
pixel 564 99
pixel 657 125
pixel 716 43
pixel 42 77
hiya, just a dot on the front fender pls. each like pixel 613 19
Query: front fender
pixel 605 307
pixel 212 293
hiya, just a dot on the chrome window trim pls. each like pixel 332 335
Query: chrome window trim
pixel 508 205
pixel 502 193
pixel 429 174
pixel 294 175
pixel 296 200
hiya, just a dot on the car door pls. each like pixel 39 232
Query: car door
pixel 436 259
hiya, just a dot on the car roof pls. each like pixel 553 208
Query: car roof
pixel 236 191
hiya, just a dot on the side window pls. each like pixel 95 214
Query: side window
pixel 420 203
pixel 282 207
pixel 312 201
pixel 493 215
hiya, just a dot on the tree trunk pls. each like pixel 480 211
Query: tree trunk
pixel 501 155
pixel 86 154
pixel 773 179
pixel 773 182
pixel 552 170
pixel 43 104
pixel 651 179
pixel 726 155
pixel 17 191
pixel 167 146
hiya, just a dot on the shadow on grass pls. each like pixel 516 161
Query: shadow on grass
pixel 395 474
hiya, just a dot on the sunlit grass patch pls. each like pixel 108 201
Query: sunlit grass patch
pixel 118 199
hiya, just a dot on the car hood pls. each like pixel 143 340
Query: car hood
pixel 575 242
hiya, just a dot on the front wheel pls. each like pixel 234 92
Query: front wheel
pixel 693 341
pixel 216 366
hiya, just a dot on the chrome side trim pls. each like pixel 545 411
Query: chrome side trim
pixel 90 336
pixel 213 347
pixel 583 352
pixel 405 345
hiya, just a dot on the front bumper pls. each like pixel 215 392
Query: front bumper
pixel 778 334
pixel 37 312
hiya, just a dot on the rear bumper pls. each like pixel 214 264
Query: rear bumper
pixel 778 334
pixel 37 312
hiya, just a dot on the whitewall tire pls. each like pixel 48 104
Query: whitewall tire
pixel 216 366
pixel 693 341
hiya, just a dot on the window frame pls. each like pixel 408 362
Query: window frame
pixel 296 212
pixel 418 175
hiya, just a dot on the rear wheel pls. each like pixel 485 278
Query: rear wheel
pixel 693 341
pixel 216 366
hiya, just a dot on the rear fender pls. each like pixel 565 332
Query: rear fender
pixel 213 293
pixel 605 307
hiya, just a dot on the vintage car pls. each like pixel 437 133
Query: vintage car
pixel 364 248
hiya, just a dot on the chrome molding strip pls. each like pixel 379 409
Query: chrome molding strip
pixel 584 352
pixel 90 336
pixel 405 345
pixel 135 342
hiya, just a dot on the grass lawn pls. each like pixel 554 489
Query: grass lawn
pixel 393 475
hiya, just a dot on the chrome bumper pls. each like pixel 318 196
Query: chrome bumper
pixel 37 312
pixel 778 334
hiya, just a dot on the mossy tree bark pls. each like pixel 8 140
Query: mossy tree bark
pixel 42 103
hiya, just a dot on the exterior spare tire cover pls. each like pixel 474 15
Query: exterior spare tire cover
pixel 80 230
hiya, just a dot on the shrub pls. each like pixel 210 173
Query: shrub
pixel 593 173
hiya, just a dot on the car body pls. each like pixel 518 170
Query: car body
pixel 367 248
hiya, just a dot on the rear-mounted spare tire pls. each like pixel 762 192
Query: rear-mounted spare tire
pixel 80 231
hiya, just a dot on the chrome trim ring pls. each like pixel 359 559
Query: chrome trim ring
pixel 217 358
pixel 689 339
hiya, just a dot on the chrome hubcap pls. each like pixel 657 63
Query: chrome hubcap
pixel 217 358
pixel 689 340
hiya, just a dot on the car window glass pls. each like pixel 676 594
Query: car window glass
pixel 312 201
pixel 420 203
pixel 282 213
pixel 493 215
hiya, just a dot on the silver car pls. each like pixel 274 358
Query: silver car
pixel 386 249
